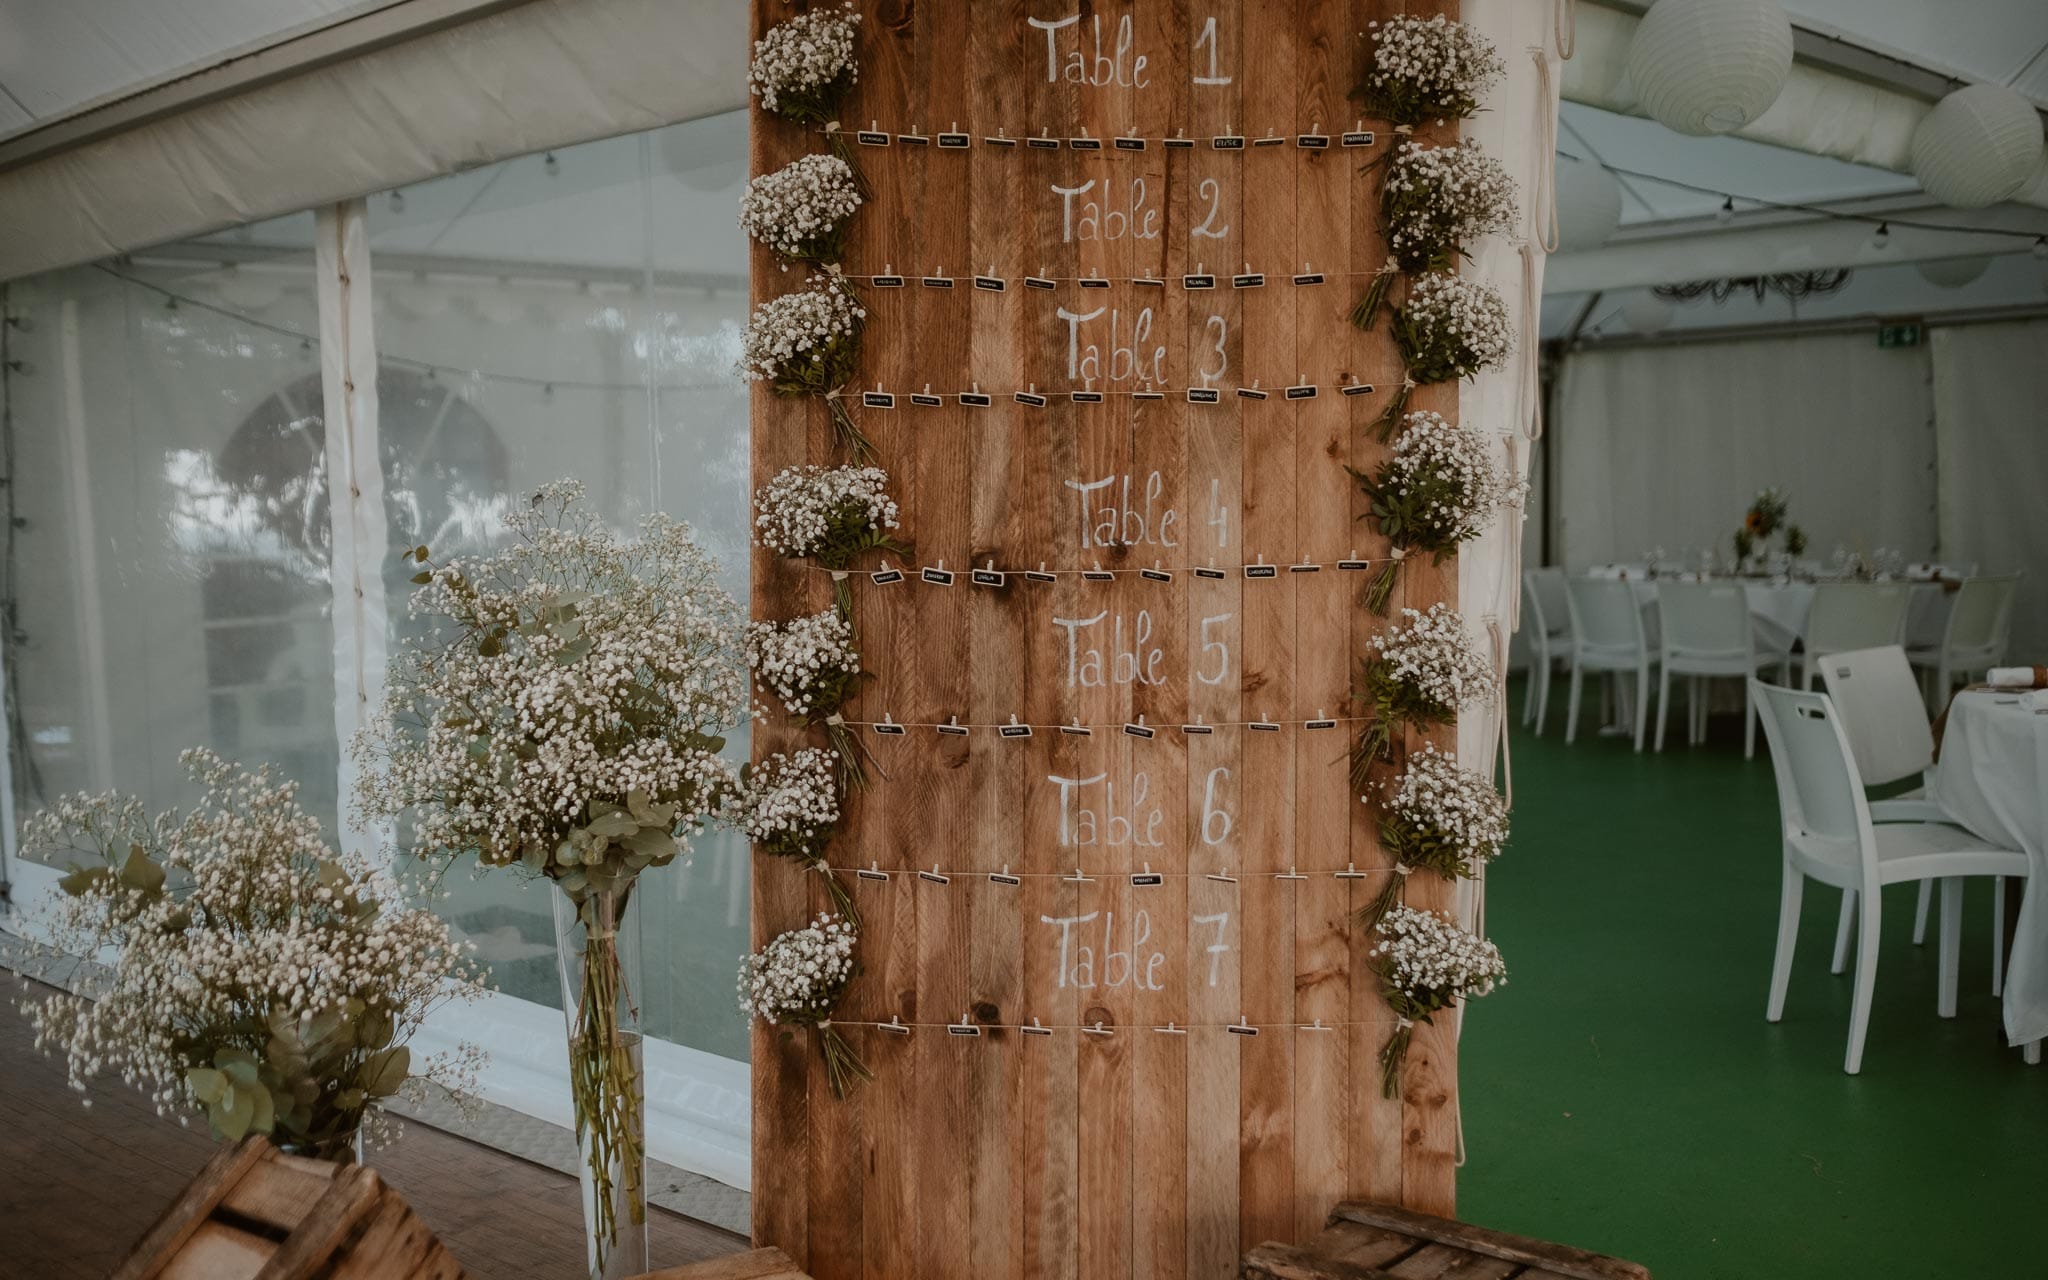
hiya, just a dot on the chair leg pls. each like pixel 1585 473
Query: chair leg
pixel 1537 661
pixel 1642 705
pixel 1867 933
pixel 1951 943
pixel 1844 926
pixel 1543 695
pixel 1663 705
pixel 1920 913
pixel 1998 935
pixel 1571 708
pixel 2032 1054
pixel 1696 707
pixel 1793 888
pixel 1749 719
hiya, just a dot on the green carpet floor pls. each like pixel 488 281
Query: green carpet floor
pixel 1623 1092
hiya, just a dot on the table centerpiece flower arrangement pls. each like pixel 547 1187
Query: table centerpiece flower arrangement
pixel 565 718
pixel 257 975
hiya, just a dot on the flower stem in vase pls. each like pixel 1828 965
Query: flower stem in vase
pixel 842 1065
pixel 848 434
pixel 1393 1057
pixel 605 1079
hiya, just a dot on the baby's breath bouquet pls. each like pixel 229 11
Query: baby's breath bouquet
pixel 829 516
pixel 800 210
pixel 807 343
pixel 1447 328
pixel 1434 202
pixel 1426 69
pixel 1439 487
pixel 566 715
pixel 1426 964
pixel 811 665
pixel 258 975
pixel 1440 818
pixel 788 805
pixel 798 979
pixel 1425 669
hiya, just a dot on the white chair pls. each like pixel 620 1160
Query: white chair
pixel 1853 615
pixel 1828 836
pixel 1879 706
pixel 1979 627
pixel 1547 624
pixel 1607 636
pixel 1705 631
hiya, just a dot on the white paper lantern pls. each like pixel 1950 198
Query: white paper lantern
pixel 1710 66
pixel 1588 204
pixel 1980 145
pixel 1647 313
pixel 1952 273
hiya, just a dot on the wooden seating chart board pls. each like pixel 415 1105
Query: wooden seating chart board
pixel 1181 880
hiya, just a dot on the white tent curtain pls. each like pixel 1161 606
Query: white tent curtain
pixel 1666 446
pixel 1991 414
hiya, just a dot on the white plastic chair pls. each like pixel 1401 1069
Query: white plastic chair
pixel 1879 706
pixel 1979 627
pixel 1706 631
pixel 1607 636
pixel 1828 836
pixel 1547 624
pixel 1853 615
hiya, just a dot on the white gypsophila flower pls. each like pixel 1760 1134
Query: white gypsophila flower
pixel 1444 481
pixel 787 804
pixel 802 341
pixel 1446 816
pixel 1428 67
pixel 1432 655
pixel 800 210
pixel 802 66
pixel 235 929
pixel 1432 962
pixel 808 663
pixel 1451 327
pixel 568 709
pixel 1439 200
pixel 819 512
pixel 800 975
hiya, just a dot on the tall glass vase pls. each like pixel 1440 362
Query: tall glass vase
pixel 597 954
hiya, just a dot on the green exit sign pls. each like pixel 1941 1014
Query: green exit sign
pixel 1898 335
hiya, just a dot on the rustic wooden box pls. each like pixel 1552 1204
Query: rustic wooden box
pixel 756 1264
pixel 1366 1241
pixel 256 1211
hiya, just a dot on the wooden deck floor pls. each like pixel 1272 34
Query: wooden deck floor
pixel 79 1185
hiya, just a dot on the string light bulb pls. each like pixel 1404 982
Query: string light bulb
pixel 552 165
pixel 397 202
pixel 1881 239
pixel 2041 246
pixel 1726 213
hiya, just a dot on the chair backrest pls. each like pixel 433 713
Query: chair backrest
pixel 1819 791
pixel 1857 615
pixel 1878 702
pixel 1981 615
pixel 1605 614
pixel 1543 596
pixel 1704 619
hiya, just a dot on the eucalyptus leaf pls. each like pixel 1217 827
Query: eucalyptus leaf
pixel 206 1084
pixel 384 1072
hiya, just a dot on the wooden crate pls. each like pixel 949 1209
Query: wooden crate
pixel 757 1264
pixel 256 1212
pixel 1366 1241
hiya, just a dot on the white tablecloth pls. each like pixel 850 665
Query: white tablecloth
pixel 1993 779
pixel 1782 609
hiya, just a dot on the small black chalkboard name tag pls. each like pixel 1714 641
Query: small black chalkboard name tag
pixel 1362 138
pixel 1263 726
pixel 1320 724
pixel 986 577
pixel 1004 877
pixel 999 140
pixel 1013 731
pixel 953 142
pixel 1098 575
pixel 1304 568
pixel 1198 282
pixel 877 400
pixel 1040 575
pixel 1147 880
pixel 890 730
pixel 1249 280
pixel 1228 142
pixel 976 399
pixel 1262 571
pixel 1035 1030
pixel 886 577
pixel 871 138
pixel 1039 282
pixel 936 282
pixel 1211 573
pixel 1309 277
pixel 871 873
pixel 1043 143
pixel 926 400
pixel 992 284
pixel 1270 140
pixel 1354 565
pixel 887 282
pixel 1302 391
pixel 1204 395
pixel 1077 731
pixel 1095 282
pixel 1085 397
pixel 914 139
pixel 1241 1030
pixel 1152 282
pixel 937 577
pixel 1357 388
pixel 935 877
pixel 1252 393
pixel 894 1028
pixel 1312 141
pixel 1031 398
pixel 1085 144
pixel 953 730
pixel 1145 731
pixel 1178 143
pixel 1198 728
pixel 1148 395
pixel 1155 575
pixel 1129 144
pixel 959 1029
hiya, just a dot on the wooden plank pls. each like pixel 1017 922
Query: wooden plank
pixel 277 1195
pixel 1274 1261
pixel 1364 1245
pixel 1562 1259
pixel 336 1216
pixel 227 1167
pixel 217 1251
pixel 395 1243
pixel 755 1264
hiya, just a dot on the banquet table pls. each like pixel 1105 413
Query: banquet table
pixel 1782 608
pixel 1992 778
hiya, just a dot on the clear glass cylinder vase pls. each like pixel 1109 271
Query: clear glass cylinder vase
pixel 597 955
